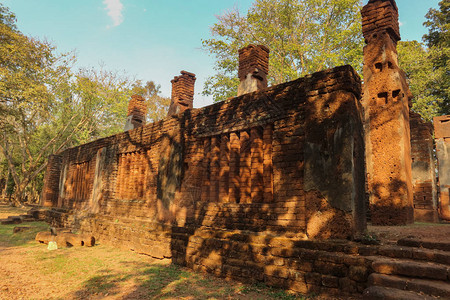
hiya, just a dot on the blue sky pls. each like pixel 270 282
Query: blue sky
pixel 152 39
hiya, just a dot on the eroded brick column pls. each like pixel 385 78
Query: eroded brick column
pixel 442 140
pixel 182 93
pixel 386 98
pixel 253 68
pixel 137 109
pixel 423 169
pixel 51 181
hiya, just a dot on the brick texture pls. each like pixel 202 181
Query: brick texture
pixel 137 110
pixel 235 165
pixel 182 93
pixel 386 107
pixel 442 135
pixel 210 187
pixel 378 16
pixel 51 181
pixel 253 68
pixel 423 169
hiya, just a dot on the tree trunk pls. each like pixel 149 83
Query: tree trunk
pixel 17 198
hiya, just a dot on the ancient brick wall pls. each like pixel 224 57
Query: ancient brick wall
pixel 442 139
pixel 386 99
pixel 284 162
pixel 423 169
pixel 137 110
pixel 51 181
pixel 253 68
pixel 268 161
pixel 182 93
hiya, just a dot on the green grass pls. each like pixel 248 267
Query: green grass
pixel 102 270
pixel 261 288
pixel 25 238
pixel 95 272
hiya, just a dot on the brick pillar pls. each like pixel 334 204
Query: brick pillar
pixel 137 109
pixel 442 140
pixel 253 68
pixel 182 93
pixel 51 181
pixel 423 169
pixel 386 99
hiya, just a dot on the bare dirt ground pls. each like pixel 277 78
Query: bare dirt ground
pixel 423 231
pixel 29 271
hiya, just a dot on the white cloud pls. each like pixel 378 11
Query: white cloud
pixel 114 8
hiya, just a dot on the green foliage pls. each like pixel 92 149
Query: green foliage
pixel 7 18
pixel 24 238
pixel 46 107
pixel 415 60
pixel 438 23
pixel 438 41
pixel 304 36
pixel 426 66
pixel 157 105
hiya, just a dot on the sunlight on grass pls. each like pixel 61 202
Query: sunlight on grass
pixel 101 271
pixel 25 238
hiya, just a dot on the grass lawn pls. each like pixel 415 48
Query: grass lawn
pixel 29 271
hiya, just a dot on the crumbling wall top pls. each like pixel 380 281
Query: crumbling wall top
pixel 442 127
pixel 379 16
pixel 253 57
pixel 137 107
pixel 182 92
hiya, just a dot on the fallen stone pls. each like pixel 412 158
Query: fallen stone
pixel 52 245
pixel 21 229
pixel 44 237
pixel 15 219
pixel 66 239
pixel 6 221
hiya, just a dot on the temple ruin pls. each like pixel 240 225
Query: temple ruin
pixel 266 186
pixel 442 135
pixel 137 109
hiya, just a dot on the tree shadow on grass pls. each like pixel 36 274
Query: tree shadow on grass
pixel 146 281
pixel 161 281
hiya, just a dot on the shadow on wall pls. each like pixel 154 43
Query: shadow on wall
pixel 394 212
pixel 235 188
pixel 242 240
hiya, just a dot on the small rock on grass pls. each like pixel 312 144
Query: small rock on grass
pixel 21 229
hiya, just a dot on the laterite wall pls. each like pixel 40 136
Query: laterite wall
pixel 423 169
pixel 285 162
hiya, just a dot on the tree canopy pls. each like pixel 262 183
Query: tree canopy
pixel 438 41
pixel 304 36
pixel 426 65
pixel 46 107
